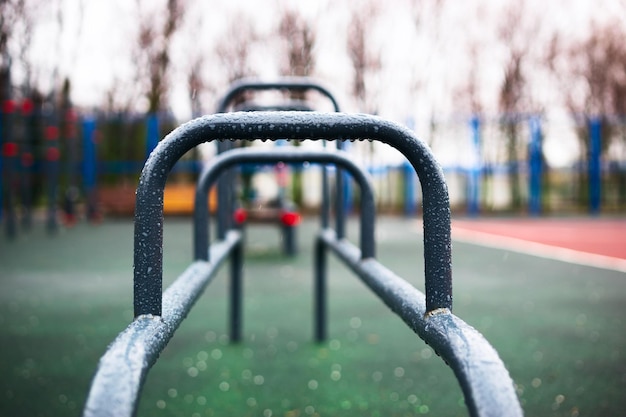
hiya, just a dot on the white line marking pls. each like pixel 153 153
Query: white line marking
pixel 538 249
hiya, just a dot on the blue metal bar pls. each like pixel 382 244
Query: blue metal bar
pixel 535 162
pixel 10 172
pixel 473 184
pixel 410 199
pixel 594 165
pixel 148 258
pixel 1 161
pixel 90 164
pixel 152 132
pixel 52 169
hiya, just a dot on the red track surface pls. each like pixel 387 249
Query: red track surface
pixel 591 235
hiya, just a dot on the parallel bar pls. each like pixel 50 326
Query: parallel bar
pixel 148 262
pixel 284 83
pixel 122 371
pixel 486 384
pixel 226 160
pixel 224 190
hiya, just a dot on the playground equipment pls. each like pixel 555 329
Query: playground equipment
pixel 115 389
pixel 284 215
pixel 291 156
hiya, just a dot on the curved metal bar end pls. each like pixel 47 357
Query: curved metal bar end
pixel 485 381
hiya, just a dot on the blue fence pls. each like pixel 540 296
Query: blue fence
pixel 36 168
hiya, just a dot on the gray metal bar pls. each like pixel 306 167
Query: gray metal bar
pixel 224 196
pixel 287 155
pixel 340 210
pixel 148 259
pixel 283 83
pixel 320 266
pixel 121 372
pixel 291 105
pixel 236 292
pixel 486 384
pixel 325 208
pixel 255 84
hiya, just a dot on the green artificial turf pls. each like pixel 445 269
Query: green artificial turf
pixel 558 327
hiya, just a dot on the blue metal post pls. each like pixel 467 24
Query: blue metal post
pixel 89 165
pixel 152 132
pixel 89 153
pixel 595 150
pixel 1 162
pixel 473 181
pixel 409 176
pixel 410 201
pixel 535 166
pixel 10 166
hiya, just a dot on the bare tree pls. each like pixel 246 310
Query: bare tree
pixel 234 49
pixel 17 22
pixel 428 24
pixel 365 61
pixel 468 94
pixel 596 85
pixel 513 98
pixel 152 51
pixel 195 85
pixel 298 36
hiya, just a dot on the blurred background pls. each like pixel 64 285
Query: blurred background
pixel 523 102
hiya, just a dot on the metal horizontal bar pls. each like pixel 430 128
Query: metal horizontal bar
pixel 233 157
pixel 122 370
pixel 485 381
pixel 283 83
pixel 148 267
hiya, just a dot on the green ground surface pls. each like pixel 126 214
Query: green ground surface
pixel 558 327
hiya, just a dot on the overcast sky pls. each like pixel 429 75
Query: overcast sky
pixel 93 48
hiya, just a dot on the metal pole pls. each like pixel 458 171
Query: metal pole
pixel 90 166
pixel 27 132
pixel 236 292
pixel 594 165
pixel 340 211
pixel 51 167
pixel 535 166
pixel 410 206
pixel 9 154
pixel 319 291
pixel 152 132
pixel 473 190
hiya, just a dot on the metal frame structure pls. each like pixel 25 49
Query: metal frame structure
pixel 287 84
pixel 486 384
pixel 289 156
